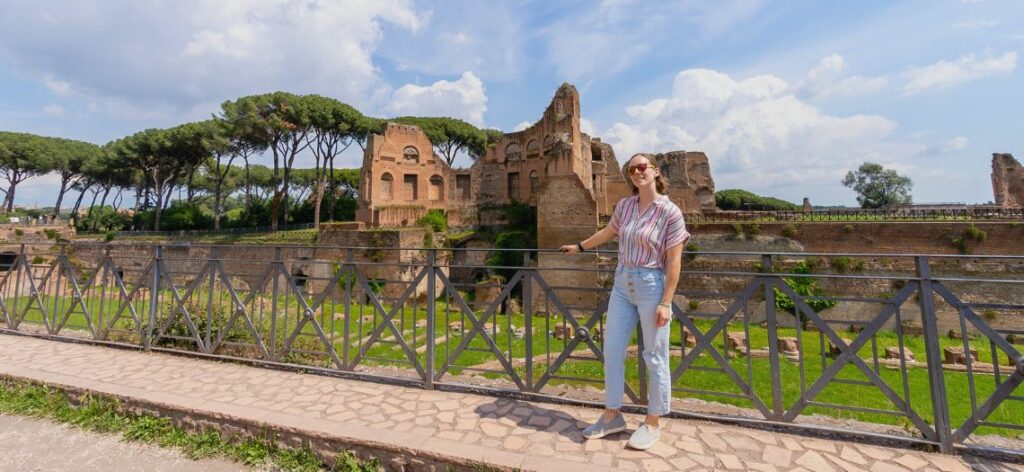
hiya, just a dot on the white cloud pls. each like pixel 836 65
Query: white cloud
pixel 958 143
pixel 522 125
pixel 827 79
pixel 125 50
pixel 758 133
pixel 465 99
pixel 966 68
pixel 587 126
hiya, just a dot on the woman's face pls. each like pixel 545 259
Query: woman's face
pixel 641 171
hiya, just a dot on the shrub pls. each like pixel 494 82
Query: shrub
pixel 841 264
pixel 974 234
pixel 51 233
pixel 736 199
pixel 19 232
pixel 989 315
pixel 38 260
pixel 690 252
pixel 752 230
pixel 693 305
pixel 737 229
pixel 435 220
pixel 110 236
pixel 848 228
pixel 103 218
pixel 509 240
pixel 804 287
pixel 790 231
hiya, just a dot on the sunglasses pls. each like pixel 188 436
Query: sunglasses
pixel 639 167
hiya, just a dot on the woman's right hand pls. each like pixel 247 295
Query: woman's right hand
pixel 569 249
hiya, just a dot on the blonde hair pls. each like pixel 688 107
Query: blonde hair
pixel 660 182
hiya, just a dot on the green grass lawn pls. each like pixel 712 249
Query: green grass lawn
pixel 308 349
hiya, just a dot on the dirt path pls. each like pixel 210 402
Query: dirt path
pixel 40 445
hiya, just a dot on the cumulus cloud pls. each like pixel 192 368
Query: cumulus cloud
pixel 522 125
pixel 758 133
pixel 179 54
pixel 465 99
pixel 828 79
pixel 53 110
pixel 966 68
pixel 958 143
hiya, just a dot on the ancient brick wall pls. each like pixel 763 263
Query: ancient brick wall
pixel 882 237
pixel 1007 181
pixel 401 178
pixel 566 214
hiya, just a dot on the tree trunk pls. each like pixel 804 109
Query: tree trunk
pixel 78 202
pixel 10 195
pixel 318 197
pixel 157 210
pixel 60 196
pixel 216 205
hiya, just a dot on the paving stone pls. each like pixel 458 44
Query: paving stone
pixel 812 460
pixel 948 463
pixel 682 463
pixel 714 442
pixel 603 459
pixel 739 441
pixel 876 453
pixel 690 445
pixel 844 465
pixel 850 454
pixel 777 456
pixel 493 430
pixel 880 466
pixel 911 461
pixel 791 444
pixel 819 445
pixel 760 466
pixel 537 420
pixel 730 461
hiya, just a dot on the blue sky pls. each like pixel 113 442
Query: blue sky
pixel 784 97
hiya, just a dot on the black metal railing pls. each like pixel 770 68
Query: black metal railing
pixel 857 214
pixel 922 348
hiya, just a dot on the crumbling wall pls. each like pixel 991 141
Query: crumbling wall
pixel 690 184
pixel 566 214
pixel 1007 181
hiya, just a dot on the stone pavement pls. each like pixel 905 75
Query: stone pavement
pixel 503 433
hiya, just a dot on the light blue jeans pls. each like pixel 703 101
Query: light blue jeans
pixel 636 294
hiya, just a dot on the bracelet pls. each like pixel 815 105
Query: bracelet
pixel 666 305
pixel 580 246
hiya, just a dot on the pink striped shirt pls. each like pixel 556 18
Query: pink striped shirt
pixel 644 239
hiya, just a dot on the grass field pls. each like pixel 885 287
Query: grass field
pixel 308 349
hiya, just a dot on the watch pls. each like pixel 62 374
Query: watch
pixel 580 246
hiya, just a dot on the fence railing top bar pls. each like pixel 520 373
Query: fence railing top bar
pixel 186 244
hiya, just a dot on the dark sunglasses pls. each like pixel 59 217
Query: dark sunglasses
pixel 639 167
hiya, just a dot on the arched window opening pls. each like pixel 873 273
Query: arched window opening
pixel 386 186
pixel 532 149
pixel 411 154
pixel 512 152
pixel 534 182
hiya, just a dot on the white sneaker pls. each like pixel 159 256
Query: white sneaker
pixel 601 428
pixel 644 437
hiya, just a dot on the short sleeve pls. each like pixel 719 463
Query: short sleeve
pixel 675 229
pixel 616 222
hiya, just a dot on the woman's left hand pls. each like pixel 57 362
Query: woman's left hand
pixel 662 315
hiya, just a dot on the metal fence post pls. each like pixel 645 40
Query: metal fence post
pixel 528 320
pixel 431 316
pixel 154 292
pixel 778 406
pixel 936 378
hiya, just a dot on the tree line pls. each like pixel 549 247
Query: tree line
pixel 212 160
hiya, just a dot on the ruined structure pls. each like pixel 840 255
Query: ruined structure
pixel 1007 181
pixel 401 178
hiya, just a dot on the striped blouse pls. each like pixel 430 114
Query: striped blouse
pixel 644 239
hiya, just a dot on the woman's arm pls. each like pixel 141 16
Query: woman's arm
pixel 673 264
pixel 596 240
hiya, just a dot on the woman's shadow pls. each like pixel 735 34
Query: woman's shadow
pixel 532 416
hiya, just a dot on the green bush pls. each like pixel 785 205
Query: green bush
pixel 691 251
pixel 752 230
pixel 509 240
pixel 804 287
pixel 736 199
pixel 693 305
pixel 19 232
pixel 436 220
pixel 51 233
pixel 848 228
pixel 790 231
pixel 38 260
pixel 975 234
pixel 103 218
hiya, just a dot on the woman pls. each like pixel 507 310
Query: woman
pixel 651 234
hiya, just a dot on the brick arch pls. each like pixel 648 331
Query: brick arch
pixel 513 152
pixel 532 149
pixel 387 186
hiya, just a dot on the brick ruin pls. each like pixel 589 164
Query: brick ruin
pixel 402 179
pixel 1007 181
